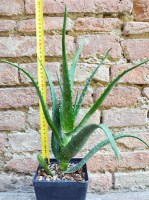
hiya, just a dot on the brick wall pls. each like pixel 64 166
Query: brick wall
pixel 120 24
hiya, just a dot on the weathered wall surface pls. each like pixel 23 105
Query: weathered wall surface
pixel 120 24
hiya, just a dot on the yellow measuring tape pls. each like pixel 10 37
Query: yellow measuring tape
pixel 41 76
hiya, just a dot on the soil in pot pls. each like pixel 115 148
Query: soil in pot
pixel 58 175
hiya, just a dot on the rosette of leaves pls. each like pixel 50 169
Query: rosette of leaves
pixel 67 139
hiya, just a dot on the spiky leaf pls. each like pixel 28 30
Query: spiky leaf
pixel 78 141
pixel 74 63
pixel 59 82
pixel 76 100
pixel 102 98
pixel 66 109
pixel 55 114
pixel 87 85
pixel 98 147
pixel 44 105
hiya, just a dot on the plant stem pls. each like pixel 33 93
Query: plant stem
pixel 63 166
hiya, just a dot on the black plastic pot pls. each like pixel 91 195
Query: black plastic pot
pixel 61 190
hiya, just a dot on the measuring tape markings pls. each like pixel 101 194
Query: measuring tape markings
pixel 41 77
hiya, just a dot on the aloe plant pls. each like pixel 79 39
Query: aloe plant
pixel 67 140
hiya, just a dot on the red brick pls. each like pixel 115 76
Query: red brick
pixel 18 97
pixel 14 7
pixel 141 10
pixel 5 186
pixel 50 24
pixel 125 117
pixel 84 71
pixel 97 24
pixel 128 161
pixel 12 120
pixel 7 25
pixel 131 46
pixel 136 76
pixel 131 179
pixel 32 69
pixel 146 92
pixel 26 97
pixel 135 28
pixel 51 6
pixel 8 75
pixel 119 96
pixel 17 46
pixel 2 163
pixel 23 164
pixel 100 182
pixel 2 143
pixel 104 6
pixel 19 142
pixel 14 181
pixel 26 46
pixel 33 119
pixel 100 44
pixel 96 6
pixel 95 118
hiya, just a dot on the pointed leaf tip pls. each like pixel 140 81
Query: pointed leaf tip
pixel 65 8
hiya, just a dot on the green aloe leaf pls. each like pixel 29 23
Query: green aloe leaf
pixel 74 63
pixel 44 105
pixel 87 85
pixel 78 141
pixel 55 106
pixel 66 108
pixel 98 147
pixel 55 114
pixel 102 98
pixel 59 82
pixel 43 164
pixel 109 135
pixel 76 100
